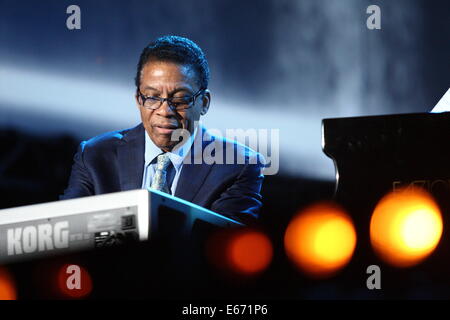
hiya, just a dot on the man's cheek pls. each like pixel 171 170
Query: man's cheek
pixel 148 118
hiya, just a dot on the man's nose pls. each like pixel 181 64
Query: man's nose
pixel 165 110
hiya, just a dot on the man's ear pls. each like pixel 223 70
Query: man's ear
pixel 206 100
pixel 136 99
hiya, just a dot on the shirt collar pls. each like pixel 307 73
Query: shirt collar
pixel 176 156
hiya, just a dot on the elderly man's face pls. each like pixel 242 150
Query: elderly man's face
pixel 164 80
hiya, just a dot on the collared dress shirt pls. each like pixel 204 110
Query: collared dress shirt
pixel 176 156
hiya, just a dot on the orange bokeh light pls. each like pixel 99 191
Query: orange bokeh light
pixel 406 227
pixel 250 252
pixel 240 252
pixel 320 240
pixel 7 286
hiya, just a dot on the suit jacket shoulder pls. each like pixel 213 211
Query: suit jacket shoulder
pixel 107 163
pixel 104 141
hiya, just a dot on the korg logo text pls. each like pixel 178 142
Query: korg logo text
pixel 38 238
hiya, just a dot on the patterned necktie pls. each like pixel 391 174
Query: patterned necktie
pixel 159 181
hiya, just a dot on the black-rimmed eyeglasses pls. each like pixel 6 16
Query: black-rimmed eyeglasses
pixel 175 103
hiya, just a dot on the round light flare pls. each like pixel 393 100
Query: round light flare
pixel 320 240
pixel 7 286
pixel 249 252
pixel 406 226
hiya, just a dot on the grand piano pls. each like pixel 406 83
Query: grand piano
pixel 375 155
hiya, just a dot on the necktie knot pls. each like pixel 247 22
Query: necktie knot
pixel 163 161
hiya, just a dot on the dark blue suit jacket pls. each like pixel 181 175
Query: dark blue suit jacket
pixel 115 162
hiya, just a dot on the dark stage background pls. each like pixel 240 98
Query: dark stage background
pixel 275 64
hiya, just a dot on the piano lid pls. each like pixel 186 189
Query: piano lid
pixel 443 104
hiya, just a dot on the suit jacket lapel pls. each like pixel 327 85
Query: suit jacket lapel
pixel 191 179
pixel 193 175
pixel 130 154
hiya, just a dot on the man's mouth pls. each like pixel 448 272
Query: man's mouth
pixel 165 128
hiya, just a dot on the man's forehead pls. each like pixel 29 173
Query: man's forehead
pixel 157 73
pixel 160 68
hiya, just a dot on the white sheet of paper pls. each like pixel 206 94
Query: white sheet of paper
pixel 443 104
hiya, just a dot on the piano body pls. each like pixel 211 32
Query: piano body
pixel 375 155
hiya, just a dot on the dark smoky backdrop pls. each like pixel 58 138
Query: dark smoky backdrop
pixel 275 64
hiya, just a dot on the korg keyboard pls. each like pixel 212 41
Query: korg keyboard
pixel 97 221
